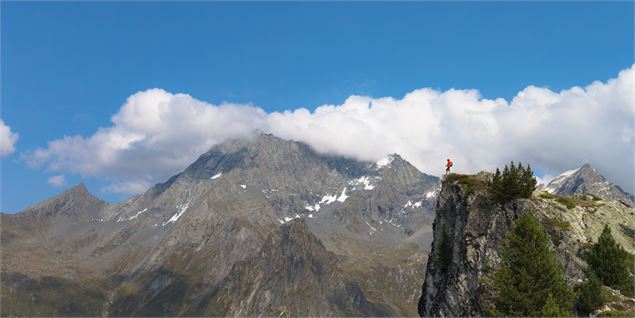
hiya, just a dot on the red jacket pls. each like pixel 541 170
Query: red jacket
pixel 449 164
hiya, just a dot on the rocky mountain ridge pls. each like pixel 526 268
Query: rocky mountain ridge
pixel 189 245
pixel 587 180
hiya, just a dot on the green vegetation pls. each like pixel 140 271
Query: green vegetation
pixel 471 182
pixel 443 251
pixel 551 309
pixel 515 182
pixel 566 201
pixel 572 201
pixel 590 295
pixel 618 313
pixel 595 197
pixel 529 274
pixel 560 224
pixel 609 261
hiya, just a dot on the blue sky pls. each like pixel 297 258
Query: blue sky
pixel 68 67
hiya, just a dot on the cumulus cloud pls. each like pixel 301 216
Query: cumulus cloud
pixel 57 181
pixel 7 139
pixel 156 134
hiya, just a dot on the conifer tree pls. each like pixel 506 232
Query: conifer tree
pixel 551 309
pixel 609 262
pixel 443 251
pixel 529 273
pixel 590 294
pixel 515 182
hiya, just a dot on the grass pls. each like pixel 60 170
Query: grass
pixel 560 224
pixel 566 201
pixel 618 313
pixel 471 182
pixel 607 295
pixel 595 197
pixel 572 201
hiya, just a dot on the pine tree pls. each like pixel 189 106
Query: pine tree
pixel 529 273
pixel 609 262
pixel 551 309
pixel 590 294
pixel 515 182
pixel 528 182
pixel 443 251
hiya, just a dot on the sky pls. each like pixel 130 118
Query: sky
pixel 121 95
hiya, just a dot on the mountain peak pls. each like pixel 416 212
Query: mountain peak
pixel 587 179
pixel 587 168
pixel 79 188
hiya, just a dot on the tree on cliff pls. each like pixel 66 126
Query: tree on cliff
pixel 529 274
pixel 608 260
pixel 515 182
pixel 443 251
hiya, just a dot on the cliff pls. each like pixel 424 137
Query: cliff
pixel 476 227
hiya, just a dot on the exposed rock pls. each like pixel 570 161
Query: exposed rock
pixel 177 248
pixel 477 228
pixel 587 179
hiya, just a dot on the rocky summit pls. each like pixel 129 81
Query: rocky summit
pixel 587 180
pixel 257 226
pixel 476 228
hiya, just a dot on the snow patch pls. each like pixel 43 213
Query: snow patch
pixel 417 204
pixel 328 199
pixel 138 213
pixel 384 162
pixel 372 229
pixel 182 208
pixel 311 215
pixel 243 186
pixel 343 196
pixel 431 194
pixel 409 203
pixel 216 176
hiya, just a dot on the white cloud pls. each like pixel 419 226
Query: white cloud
pixel 131 186
pixel 57 181
pixel 7 139
pixel 156 134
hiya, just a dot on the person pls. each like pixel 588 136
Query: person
pixel 448 165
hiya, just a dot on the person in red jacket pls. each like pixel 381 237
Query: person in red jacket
pixel 448 165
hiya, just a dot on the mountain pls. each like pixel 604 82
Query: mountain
pixel 254 226
pixel 476 228
pixel 587 179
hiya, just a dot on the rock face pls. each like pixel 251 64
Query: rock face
pixel 254 226
pixel 587 179
pixel 477 227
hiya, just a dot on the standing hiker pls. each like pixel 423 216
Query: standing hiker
pixel 448 165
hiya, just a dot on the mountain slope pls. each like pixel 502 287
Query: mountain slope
pixel 587 179
pixel 206 230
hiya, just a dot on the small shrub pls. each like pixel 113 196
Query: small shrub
pixel 569 202
pixel 560 224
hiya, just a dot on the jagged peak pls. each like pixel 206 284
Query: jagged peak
pixel 587 168
pixel 76 194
